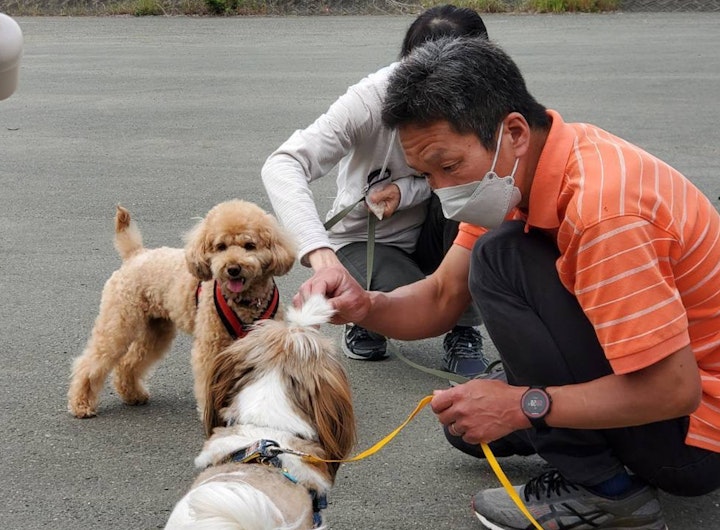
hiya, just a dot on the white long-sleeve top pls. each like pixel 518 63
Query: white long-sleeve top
pixel 350 135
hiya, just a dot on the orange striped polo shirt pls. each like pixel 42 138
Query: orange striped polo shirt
pixel 639 247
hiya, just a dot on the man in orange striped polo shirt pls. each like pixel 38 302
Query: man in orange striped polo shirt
pixel 597 276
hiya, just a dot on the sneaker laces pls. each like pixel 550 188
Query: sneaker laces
pixel 548 484
pixel 466 343
pixel 360 334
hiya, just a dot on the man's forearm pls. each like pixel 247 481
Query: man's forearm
pixel 396 315
pixel 668 389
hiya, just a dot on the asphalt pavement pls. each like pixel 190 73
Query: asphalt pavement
pixel 168 116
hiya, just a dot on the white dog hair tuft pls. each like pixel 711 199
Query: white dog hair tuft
pixel 315 311
pixel 232 506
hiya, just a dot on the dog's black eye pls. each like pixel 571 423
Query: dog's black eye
pixel 249 245
pixel 221 246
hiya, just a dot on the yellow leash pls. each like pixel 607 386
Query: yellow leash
pixel 508 487
pixel 486 450
pixel 382 443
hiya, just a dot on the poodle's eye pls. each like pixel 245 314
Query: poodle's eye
pixel 249 245
pixel 220 247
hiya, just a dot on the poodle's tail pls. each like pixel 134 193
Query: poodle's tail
pixel 128 240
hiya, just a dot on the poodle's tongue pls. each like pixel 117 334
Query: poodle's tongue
pixel 236 286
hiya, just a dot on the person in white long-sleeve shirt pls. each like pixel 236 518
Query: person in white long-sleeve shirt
pixel 411 235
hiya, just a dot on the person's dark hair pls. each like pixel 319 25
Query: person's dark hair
pixel 470 83
pixel 442 21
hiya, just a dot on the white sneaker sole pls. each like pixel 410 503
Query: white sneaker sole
pixel 487 524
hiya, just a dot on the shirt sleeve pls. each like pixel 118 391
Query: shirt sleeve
pixel 310 154
pixel 413 191
pixel 468 234
pixel 620 270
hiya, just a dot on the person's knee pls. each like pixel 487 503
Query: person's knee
pixel 458 443
pixel 501 237
pixel 490 253
pixel 392 268
pixel 507 253
pixel 517 443
pixel 510 243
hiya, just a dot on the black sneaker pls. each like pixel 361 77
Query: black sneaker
pixel 464 352
pixel 556 503
pixel 359 343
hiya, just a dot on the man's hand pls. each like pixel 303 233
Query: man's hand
pixel 350 301
pixel 480 411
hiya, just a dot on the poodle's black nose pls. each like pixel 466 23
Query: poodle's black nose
pixel 234 272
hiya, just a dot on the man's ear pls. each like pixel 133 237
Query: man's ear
pixel 519 130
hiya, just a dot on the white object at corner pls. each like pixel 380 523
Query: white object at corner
pixel 11 43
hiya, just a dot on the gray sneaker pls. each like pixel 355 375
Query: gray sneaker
pixel 556 503
pixel 361 344
pixel 464 352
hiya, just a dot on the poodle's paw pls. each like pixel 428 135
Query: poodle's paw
pixel 133 393
pixel 140 397
pixel 81 409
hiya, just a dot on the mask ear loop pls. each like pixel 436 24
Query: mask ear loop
pixel 497 153
pixel 497 148
pixel 512 175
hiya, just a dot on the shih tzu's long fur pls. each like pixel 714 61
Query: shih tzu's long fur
pixel 156 291
pixel 282 383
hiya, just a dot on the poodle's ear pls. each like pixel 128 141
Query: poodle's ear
pixel 196 253
pixel 283 249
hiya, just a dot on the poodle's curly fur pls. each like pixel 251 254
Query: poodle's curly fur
pixel 155 292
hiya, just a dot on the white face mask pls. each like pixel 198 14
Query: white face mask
pixel 484 203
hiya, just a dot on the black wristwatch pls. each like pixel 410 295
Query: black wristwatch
pixel 535 404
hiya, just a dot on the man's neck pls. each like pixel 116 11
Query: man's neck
pixel 538 137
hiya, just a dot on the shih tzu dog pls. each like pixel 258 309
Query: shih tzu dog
pixel 273 398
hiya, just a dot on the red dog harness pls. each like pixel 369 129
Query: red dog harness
pixel 234 326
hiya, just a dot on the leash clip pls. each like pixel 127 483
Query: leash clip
pixel 263 451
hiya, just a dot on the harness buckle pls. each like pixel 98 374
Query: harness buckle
pixel 263 451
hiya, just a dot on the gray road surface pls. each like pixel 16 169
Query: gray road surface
pixel 169 116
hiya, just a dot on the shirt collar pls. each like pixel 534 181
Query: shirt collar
pixel 549 175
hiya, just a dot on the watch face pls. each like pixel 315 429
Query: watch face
pixel 535 403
